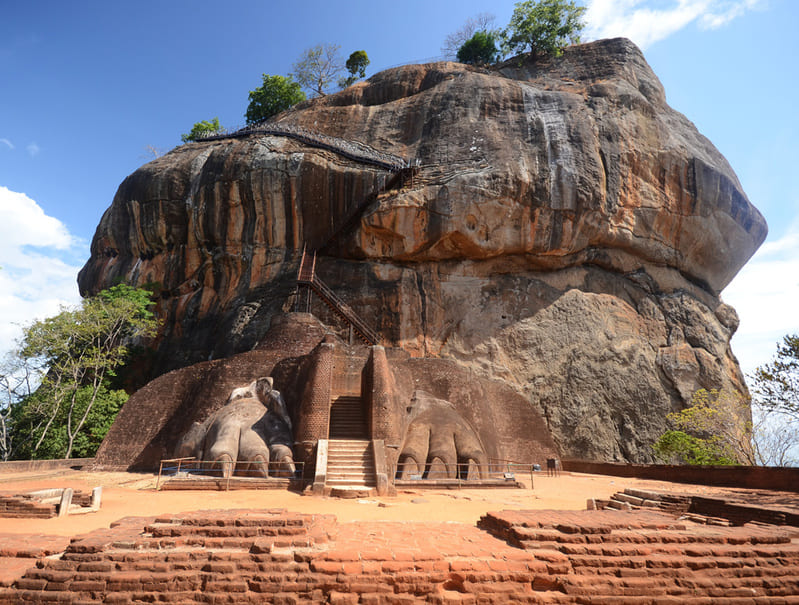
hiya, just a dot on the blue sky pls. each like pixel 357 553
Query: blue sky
pixel 86 87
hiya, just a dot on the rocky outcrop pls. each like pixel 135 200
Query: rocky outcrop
pixel 567 233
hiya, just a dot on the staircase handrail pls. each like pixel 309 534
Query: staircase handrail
pixel 344 310
pixel 354 150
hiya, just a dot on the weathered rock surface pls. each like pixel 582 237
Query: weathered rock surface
pixel 567 233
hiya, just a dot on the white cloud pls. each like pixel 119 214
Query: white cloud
pixel 8 143
pixel 766 295
pixel 647 21
pixel 38 273
pixel 33 149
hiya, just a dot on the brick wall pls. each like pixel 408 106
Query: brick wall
pixel 22 466
pixel 752 477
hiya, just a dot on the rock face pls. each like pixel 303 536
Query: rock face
pixel 567 233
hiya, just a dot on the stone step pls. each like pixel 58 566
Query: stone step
pixel 350 483
pixel 350 472
pixel 350 476
pixel 344 464
pixel 348 449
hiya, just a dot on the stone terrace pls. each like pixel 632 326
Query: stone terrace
pixel 257 556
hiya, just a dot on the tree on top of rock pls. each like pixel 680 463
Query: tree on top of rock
pixel 202 129
pixel 276 94
pixel 480 49
pixel 484 22
pixel 543 27
pixel 356 65
pixel 318 68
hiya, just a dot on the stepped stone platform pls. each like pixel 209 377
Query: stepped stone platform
pixel 274 556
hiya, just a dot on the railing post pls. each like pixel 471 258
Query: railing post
pixel 158 481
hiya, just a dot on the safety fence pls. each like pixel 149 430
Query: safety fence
pixel 190 468
pixel 353 150
pixel 466 474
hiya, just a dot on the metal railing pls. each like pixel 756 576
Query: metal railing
pixel 465 473
pixel 307 276
pixel 353 150
pixel 191 468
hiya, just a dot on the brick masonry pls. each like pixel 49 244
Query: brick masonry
pixel 273 556
pixel 25 506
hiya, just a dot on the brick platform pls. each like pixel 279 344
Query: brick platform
pixel 252 556
pixel 17 555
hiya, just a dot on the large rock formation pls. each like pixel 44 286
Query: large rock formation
pixel 567 233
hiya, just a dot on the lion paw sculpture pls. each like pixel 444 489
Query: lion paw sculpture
pixel 438 437
pixel 250 434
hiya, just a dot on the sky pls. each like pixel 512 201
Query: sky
pixel 87 87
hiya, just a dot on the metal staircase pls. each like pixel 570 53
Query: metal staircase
pixel 307 277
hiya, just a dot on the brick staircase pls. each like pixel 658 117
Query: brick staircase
pixel 347 419
pixel 206 557
pixel 592 557
pixel 616 557
pixel 350 465
pixel 699 509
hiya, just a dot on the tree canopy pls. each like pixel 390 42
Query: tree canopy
pixel 356 66
pixel 480 49
pixel 201 130
pixel 776 384
pixel 318 68
pixel 454 41
pixel 58 397
pixel 543 27
pixel 715 429
pixel 276 94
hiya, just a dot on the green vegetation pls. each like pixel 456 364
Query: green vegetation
pixel 543 27
pixel 715 429
pixel 480 49
pixel 453 42
pixel 678 447
pixel 776 384
pixel 776 395
pixel 58 389
pixel 356 65
pixel 201 130
pixel 276 94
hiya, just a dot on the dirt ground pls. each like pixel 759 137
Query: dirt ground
pixel 131 494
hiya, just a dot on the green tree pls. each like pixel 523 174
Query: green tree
pixel 201 130
pixel 356 65
pixel 276 94
pixel 678 447
pixel 17 382
pixel 715 429
pixel 454 41
pixel 543 27
pixel 26 420
pixel 318 68
pixel 75 354
pixel 776 384
pixel 480 49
